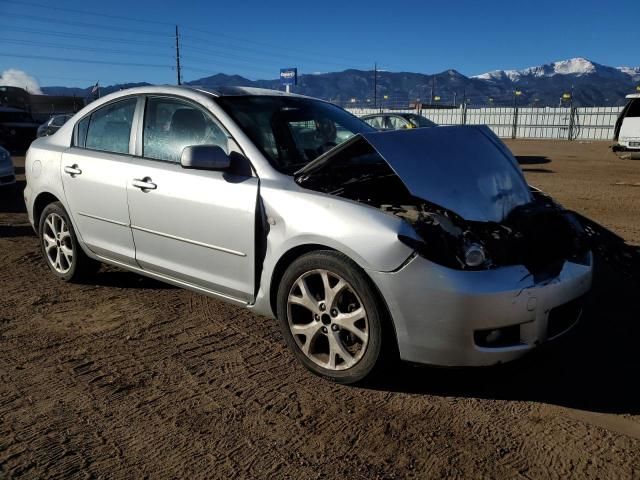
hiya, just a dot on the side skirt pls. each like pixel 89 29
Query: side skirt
pixel 174 281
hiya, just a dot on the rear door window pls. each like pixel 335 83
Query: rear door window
pixel 109 127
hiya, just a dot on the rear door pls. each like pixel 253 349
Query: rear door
pixel 193 225
pixel 94 175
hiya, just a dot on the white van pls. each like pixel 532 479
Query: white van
pixel 627 131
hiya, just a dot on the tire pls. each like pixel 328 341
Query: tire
pixel 328 327
pixel 60 248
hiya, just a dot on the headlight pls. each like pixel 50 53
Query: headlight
pixel 474 255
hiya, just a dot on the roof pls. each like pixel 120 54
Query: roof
pixel 397 114
pixel 230 91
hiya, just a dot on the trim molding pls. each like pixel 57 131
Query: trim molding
pixel 186 240
pixel 165 235
pixel 95 217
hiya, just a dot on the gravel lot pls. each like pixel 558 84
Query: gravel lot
pixel 128 378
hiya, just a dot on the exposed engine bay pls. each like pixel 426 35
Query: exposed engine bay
pixel 540 234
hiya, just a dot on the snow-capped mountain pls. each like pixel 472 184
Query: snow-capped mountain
pixel 633 72
pixel 577 67
pixel 574 66
pixel 591 83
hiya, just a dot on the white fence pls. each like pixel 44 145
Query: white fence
pixel 585 123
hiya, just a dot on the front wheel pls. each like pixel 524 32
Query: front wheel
pixel 331 317
pixel 60 246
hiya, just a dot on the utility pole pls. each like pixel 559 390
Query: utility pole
pixel 433 88
pixel 516 94
pixel 178 57
pixel 375 85
pixel 454 98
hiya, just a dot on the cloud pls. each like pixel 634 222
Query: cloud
pixel 18 78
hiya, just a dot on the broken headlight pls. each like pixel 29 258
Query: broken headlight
pixel 442 240
pixel 474 255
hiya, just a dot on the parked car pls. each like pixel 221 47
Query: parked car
pixel 7 171
pixel 627 129
pixel 397 121
pixel 52 125
pixel 426 242
pixel 17 128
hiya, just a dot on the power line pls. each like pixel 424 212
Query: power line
pixel 37 18
pixel 77 60
pixel 205 32
pixel 269 45
pixel 120 17
pixel 262 54
pixel 85 49
pixel 185 66
pixel 85 36
pixel 256 56
pixel 84 12
pixel 236 58
pixel 91 81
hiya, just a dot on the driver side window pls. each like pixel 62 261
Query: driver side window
pixel 170 125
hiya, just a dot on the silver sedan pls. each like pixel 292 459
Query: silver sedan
pixel 425 245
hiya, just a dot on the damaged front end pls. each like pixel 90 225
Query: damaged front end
pixel 462 192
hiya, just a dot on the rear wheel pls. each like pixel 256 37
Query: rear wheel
pixel 331 317
pixel 60 246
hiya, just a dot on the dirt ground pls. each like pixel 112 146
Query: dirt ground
pixel 125 377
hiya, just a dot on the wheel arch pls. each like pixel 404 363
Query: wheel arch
pixel 283 263
pixel 296 252
pixel 42 200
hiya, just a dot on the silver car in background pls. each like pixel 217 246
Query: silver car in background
pixel 7 170
pixel 53 124
pixel 365 245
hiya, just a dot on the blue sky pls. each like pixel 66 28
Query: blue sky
pixel 256 38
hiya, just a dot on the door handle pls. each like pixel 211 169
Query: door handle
pixel 72 170
pixel 144 184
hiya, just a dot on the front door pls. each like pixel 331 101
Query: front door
pixel 94 173
pixel 193 225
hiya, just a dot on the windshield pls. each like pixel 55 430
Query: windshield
pixel 420 121
pixel 292 131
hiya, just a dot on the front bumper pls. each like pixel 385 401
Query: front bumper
pixel 630 143
pixel 439 314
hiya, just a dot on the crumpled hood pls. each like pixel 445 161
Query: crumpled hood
pixel 466 169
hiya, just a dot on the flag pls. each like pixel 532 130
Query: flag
pixel 95 87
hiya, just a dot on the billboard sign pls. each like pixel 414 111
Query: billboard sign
pixel 288 76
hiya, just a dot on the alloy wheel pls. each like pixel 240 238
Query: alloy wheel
pixel 57 242
pixel 327 320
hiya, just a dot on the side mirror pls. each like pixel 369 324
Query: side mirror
pixel 205 157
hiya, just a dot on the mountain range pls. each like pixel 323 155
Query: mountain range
pixel 590 83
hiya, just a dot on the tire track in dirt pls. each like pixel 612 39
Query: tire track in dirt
pixel 126 378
